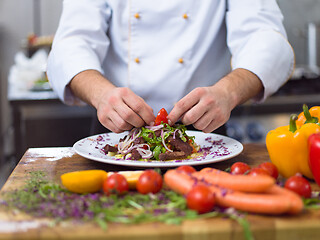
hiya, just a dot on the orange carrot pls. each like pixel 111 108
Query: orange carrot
pixel 265 203
pixel 296 203
pixel 252 202
pixel 244 183
pixel 179 181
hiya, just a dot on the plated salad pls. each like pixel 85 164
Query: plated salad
pixel 161 142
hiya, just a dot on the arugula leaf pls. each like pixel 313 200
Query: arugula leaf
pixel 156 151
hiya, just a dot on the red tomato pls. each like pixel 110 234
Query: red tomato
pixel 258 171
pixel 239 168
pixel 299 185
pixel 186 168
pixel 32 38
pixel 161 117
pixel 149 182
pixel 271 168
pixel 201 199
pixel 115 183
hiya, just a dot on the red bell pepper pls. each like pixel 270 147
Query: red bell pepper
pixel 314 156
pixel 161 117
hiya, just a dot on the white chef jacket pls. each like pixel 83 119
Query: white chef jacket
pixel 163 49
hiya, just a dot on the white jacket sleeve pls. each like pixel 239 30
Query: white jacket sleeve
pixel 258 42
pixel 80 43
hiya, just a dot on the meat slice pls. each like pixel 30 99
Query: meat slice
pixel 139 140
pixel 135 155
pixel 108 148
pixel 157 133
pixel 180 145
pixel 171 155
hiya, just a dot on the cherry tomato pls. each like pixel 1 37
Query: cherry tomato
pixel 258 171
pixel 299 185
pixel 239 168
pixel 271 168
pixel 161 117
pixel 32 38
pixel 149 182
pixel 115 183
pixel 186 169
pixel 201 199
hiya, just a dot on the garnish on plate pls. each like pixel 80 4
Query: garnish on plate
pixel 161 142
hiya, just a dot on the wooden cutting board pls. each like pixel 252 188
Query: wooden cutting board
pixel 56 161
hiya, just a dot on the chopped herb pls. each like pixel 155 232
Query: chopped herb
pixel 245 225
pixel 313 202
pixel 41 198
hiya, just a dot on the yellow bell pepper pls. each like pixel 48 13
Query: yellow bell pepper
pixel 288 147
pixel 311 115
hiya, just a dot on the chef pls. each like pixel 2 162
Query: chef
pixel 198 59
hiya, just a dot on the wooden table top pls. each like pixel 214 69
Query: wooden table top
pixel 56 161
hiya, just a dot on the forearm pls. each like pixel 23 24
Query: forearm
pixel 90 86
pixel 240 85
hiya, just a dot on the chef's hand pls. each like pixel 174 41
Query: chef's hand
pixel 121 109
pixel 207 108
pixel 118 108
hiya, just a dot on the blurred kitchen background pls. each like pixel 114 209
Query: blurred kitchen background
pixel 32 116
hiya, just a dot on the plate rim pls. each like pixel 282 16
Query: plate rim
pixel 158 164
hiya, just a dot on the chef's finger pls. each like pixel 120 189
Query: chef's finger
pixel 183 105
pixel 107 123
pixel 194 114
pixel 118 124
pixel 129 116
pixel 218 118
pixel 211 127
pixel 203 122
pixel 139 106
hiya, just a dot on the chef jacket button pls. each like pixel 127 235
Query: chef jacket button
pixel 137 60
pixel 180 60
pixel 137 15
pixel 185 16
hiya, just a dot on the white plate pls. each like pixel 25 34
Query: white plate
pixel 216 148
